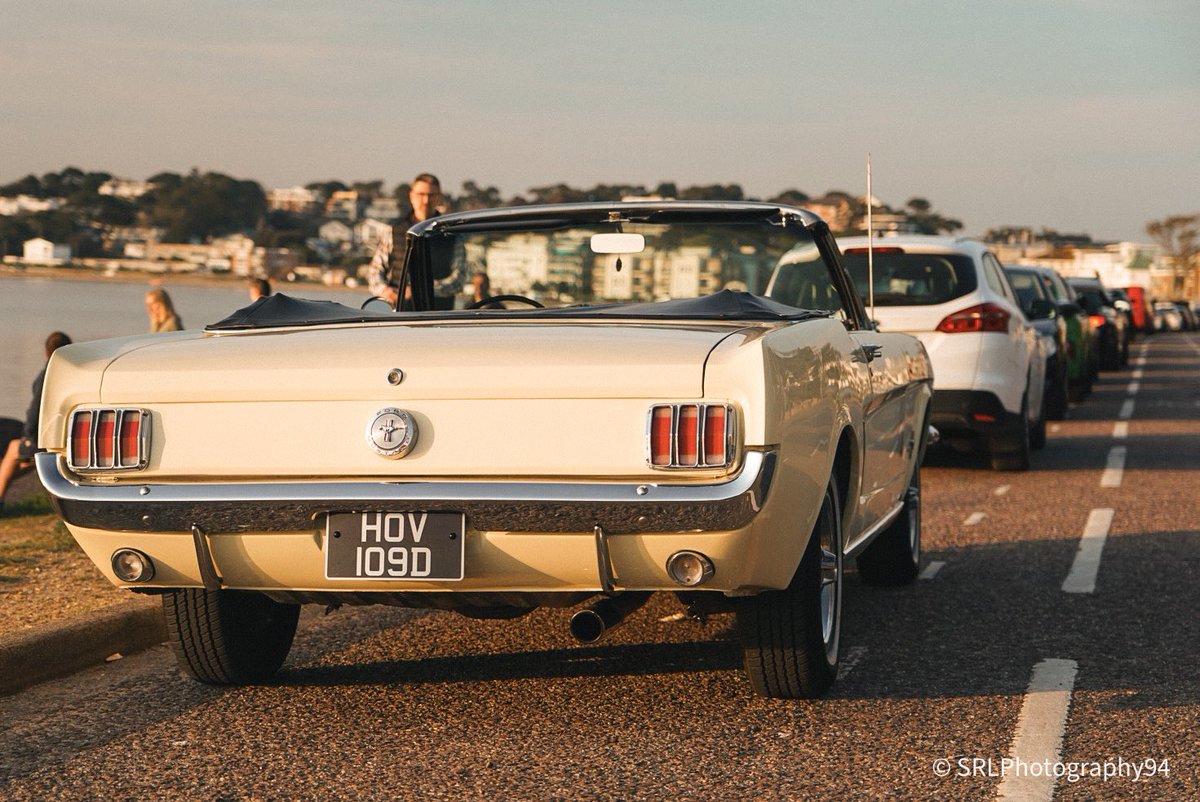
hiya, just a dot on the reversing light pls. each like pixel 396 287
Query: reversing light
pixel 690 436
pixel 130 565
pixel 689 568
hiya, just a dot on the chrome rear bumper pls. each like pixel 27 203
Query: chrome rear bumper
pixel 618 507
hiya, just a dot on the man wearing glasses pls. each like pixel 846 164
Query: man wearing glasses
pixel 383 276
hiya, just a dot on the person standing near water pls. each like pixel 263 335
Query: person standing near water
pixel 161 311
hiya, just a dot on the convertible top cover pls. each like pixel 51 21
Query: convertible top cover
pixel 277 311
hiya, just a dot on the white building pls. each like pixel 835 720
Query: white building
pixel 27 203
pixel 1121 264
pixel 337 232
pixel 124 188
pixel 293 199
pixel 387 209
pixel 40 251
pixel 517 262
pixel 370 231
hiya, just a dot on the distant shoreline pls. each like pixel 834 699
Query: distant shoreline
pixel 66 273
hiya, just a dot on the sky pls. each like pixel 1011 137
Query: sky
pixel 1074 115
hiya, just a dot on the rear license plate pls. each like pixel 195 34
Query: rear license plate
pixel 395 545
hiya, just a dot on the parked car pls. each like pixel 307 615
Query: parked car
pixel 1191 322
pixel 1081 365
pixel 1042 311
pixel 989 363
pixel 1111 325
pixel 612 422
pixel 1172 317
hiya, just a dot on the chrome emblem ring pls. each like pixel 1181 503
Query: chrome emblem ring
pixel 392 433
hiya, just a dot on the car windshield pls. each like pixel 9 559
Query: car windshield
pixel 912 279
pixel 572 264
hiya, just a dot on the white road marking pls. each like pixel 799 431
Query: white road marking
pixel 1082 578
pixel 1121 430
pixel 1001 490
pixel 1137 375
pixel 1133 388
pixel 974 518
pixel 932 569
pixel 1115 469
pixel 1040 730
pixel 1055 428
pixel 1126 410
pixel 850 659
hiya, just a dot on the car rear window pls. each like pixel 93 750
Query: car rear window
pixel 913 279
pixel 1027 285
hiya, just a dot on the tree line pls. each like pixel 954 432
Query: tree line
pixel 196 206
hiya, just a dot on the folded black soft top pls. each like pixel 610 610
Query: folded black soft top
pixel 277 311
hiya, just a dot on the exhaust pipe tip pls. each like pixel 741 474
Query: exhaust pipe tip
pixel 587 626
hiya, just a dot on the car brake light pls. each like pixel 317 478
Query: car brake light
pixel 81 440
pixel 691 436
pixel 984 317
pixel 109 439
pixel 1096 320
pixel 864 251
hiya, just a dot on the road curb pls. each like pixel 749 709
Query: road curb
pixel 62 648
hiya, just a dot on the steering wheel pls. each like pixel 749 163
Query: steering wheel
pixel 493 299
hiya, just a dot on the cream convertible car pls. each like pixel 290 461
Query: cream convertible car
pixel 635 410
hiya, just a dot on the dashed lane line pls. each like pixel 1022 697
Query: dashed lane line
pixel 1126 410
pixel 1114 471
pixel 1082 577
pixel 850 659
pixel 974 518
pixel 1001 490
pixel 1120 430
pixel 932 569
pixel 1040 729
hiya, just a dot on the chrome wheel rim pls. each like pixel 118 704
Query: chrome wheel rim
pixel 831 580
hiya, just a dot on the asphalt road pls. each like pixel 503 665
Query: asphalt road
pixel 974 680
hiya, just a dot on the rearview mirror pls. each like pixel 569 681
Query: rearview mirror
pixel 618 243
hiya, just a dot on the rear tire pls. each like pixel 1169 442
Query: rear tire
pixel 790 638
pixel 1010 451
pixel 229 637
pixel 894 556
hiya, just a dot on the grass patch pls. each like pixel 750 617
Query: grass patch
pixel 37 504
pixel 30 530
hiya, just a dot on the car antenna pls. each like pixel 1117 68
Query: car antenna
pixel 870 245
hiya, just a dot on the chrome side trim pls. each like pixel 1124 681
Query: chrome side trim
pixel 619 507
pixel 869 533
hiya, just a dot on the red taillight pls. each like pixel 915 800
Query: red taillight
pixel 660 436
pixel 108 439
pixel 714 436
pixel 106 435
pixel 687 438
pixel 984 317
pixel 690 436
pixel 131 438
pixel 81 440
pixel 1096 320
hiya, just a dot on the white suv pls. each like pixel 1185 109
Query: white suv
pixel 988 362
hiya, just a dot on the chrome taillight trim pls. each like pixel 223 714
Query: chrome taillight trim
pixel 701 433
pixel 119 414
